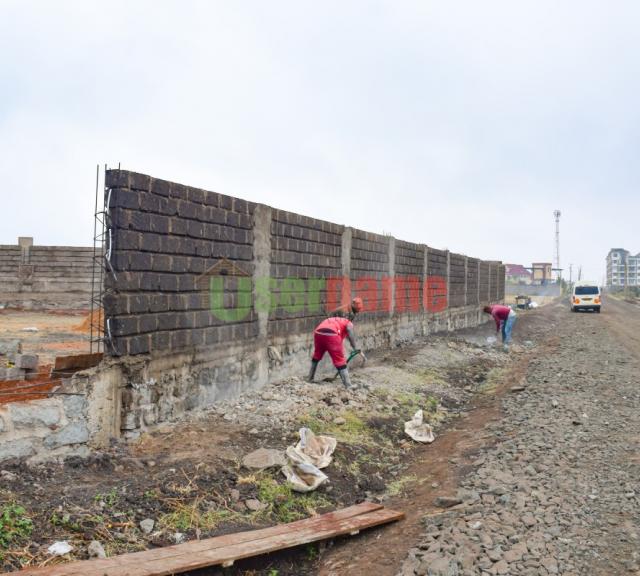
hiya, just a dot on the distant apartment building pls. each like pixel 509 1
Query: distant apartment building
pixel 623 268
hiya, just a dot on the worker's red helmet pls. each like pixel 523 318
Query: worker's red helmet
pixel 357 305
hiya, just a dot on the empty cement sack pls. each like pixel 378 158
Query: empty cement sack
pixel 302 475
pixel 316 449
pixel 419 430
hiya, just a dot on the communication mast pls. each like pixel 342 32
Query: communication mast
pixel 556 215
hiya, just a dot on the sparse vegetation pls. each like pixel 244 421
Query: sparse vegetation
pixel 15 525
pixel 110 499
pixel 285 504
pixel 398 486
pixel 354 430
pixel 192 515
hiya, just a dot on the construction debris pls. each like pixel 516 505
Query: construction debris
pixel 60 548
pixel 305 460
pixel 302 475
pixel 317 449
pixel 419 430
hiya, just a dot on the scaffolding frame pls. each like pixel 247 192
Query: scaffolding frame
pixel 100 331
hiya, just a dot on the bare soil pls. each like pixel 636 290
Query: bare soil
pixel 188 477
pixel 60 332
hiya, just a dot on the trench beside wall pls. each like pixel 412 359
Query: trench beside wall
pixel 45 277
pixel 213 295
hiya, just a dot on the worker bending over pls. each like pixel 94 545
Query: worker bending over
pixel 329 336
pixel 504 318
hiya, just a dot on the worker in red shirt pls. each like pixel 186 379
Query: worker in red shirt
pixel 328 337
pixel 504 318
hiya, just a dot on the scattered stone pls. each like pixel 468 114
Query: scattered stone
pixel 8 476
pixel 178 537
pixel 96 550
pixel 255 505
pixel 264 458
pixel 234 494
pixel 446 501
pixel 339 421
pixel 147 525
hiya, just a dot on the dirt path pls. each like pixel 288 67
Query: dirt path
pixel 556 489
pixel 439 467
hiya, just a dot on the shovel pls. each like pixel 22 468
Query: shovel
pixel 352 355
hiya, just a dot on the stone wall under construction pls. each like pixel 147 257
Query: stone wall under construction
pixel 213 295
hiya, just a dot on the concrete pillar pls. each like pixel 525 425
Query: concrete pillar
pixel 478 284
pixel 392 274
pixel 425 278
pixel 466 280
pixel 25 268
pixel 448 279
pixel 489 289
pixel 347 236
pixel 25 243
pixel 261 274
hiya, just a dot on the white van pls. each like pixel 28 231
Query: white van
pixel 585 296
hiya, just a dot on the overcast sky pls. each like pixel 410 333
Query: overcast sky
pixel 460 124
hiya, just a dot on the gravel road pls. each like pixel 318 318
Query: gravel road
pixel 559 490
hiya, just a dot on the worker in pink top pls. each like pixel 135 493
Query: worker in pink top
pixel 505 318
pixel 328 337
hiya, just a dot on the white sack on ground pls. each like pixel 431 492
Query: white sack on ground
pixel 419 430
pixel 301 473
pixel 316 449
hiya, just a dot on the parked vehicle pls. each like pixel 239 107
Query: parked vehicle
pixel 586 296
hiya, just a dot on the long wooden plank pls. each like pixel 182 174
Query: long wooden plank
pixel 229 554
pixel 224 549
pixel 196 546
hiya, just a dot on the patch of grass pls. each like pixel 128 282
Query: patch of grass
pixel 354 430
pixel 110 498
pixel 15 525
pixel 189 516
pixel 151 494
pixel 429 376
pixel 397 486
pixel 65 522
pixel 312 552
pixel 285 504
pixel 415 400
pixel 493 379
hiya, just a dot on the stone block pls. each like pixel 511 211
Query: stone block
pixel 74 433
pixel 10 347
pixel 14 373
pixel 2 424
pixel 74 407
pixel 33 414
pixel 17 449
pixel 26 361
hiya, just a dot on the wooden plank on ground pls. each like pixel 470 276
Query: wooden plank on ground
pixel 225 550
